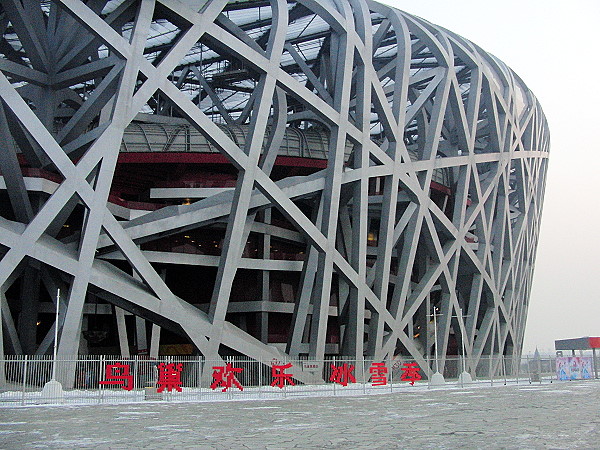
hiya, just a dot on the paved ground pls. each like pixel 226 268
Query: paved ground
pixel 559 415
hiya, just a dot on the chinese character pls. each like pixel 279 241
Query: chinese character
pixel 121 376
pixel 378 373
pixel 279 375
pixel 169 377
pixel 410 372
pixel 225 376
pixel 342 374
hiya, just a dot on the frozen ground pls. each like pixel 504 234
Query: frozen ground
pixel 558 415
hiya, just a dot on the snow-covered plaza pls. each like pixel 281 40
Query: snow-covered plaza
pixel 556 415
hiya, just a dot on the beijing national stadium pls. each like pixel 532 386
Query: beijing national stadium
pixel 267 179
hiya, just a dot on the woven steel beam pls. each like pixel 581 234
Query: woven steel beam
pixel 374 249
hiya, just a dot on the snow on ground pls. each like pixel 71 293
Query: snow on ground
pixel 557 415
pixel 118 395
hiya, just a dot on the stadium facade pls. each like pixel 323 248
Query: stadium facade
pixel 263 178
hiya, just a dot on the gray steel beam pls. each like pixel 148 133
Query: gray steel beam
pixel 471 122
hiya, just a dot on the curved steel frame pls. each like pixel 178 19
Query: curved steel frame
pixel 378 80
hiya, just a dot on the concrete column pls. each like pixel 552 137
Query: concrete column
pixel 155 336
pixel 140 334
pixel 265 281
pixel 154 341
pixel 83 348
pixel 122 331
pixel 27 326
pixel 264 327
pixel 2 371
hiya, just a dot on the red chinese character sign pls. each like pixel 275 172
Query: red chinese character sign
pixel 342 374
pixel 378 373
pixel 410 372
pixel 118 374
pixel 224 376
pixel 280 377
pixel 169 377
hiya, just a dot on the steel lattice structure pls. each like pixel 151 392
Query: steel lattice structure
pixel 427 200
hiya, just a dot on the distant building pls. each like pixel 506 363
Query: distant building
pixel 270 179
pixel 582 343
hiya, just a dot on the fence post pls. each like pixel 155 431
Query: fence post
pixel 3 366
pixel 230 360
pixel 136 369
pixel 363 362
pixel 24 381
pixel 199 378
pixel 389 363
pixel 334 383
pixel 260 377
pixel 101 368
pixel 199 375
pixel 285 361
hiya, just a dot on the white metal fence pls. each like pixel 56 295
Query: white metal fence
pixel 111 379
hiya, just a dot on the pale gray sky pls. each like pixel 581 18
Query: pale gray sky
pixel 553 46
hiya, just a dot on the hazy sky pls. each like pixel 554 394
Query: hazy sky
pixel 553 46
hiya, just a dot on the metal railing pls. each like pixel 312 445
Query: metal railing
pixel 112 379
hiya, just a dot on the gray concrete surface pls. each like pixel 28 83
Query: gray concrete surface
pixel 558 415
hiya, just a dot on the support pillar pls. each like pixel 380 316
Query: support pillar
pixel 155 341
pixel 140 334
pixel 27 325
pixel 264 327
pixel 83 343
pixel 122 331
pixel 2 371
pixel 265 281
pixel 155 336
pixel 9 326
